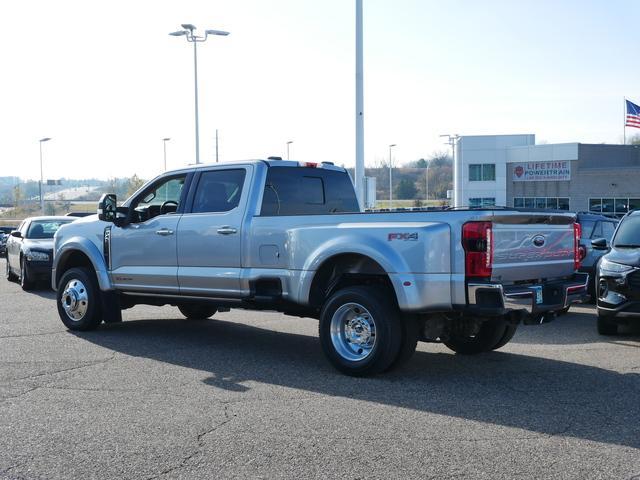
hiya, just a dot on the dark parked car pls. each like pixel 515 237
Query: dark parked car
pixel 593 226
pixel 30 249
pixel 4 235
pixel 618 276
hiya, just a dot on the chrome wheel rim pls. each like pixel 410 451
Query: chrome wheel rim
pixel 353 332
pixel 75 300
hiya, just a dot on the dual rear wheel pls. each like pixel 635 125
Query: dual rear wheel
pixel 362 332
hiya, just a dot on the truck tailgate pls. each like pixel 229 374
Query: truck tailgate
pixel 532 246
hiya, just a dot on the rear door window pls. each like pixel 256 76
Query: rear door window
pixel 218 191
pixel 307 191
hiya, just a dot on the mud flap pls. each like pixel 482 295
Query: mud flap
pixel 111 312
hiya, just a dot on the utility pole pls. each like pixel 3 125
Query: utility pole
pixel 359 171
pixel 42 140
pixel 390 177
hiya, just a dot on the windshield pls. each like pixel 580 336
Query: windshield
pixel 45 228
pixel 628 234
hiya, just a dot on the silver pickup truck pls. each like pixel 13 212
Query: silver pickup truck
pixel 289 236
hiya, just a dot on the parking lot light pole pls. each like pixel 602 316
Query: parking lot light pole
pixel 187 32
pixel 426 195
pixel 451 141
pixel 42 140
pixel 288 143
pixel 164 144
pixel 390 179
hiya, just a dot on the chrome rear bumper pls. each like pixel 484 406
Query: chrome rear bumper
pixel 554 295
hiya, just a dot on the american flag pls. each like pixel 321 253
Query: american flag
pixel 633 115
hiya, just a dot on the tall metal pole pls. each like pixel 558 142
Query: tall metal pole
pixel 288 143
pixel 216 145
pixel 42 140
pixel 187 31
pixel 41 180
pixel 457 183
pixel 427 184
pixel 359 173
pixel 164 144
pixel 195 77
pixel 390 176
pixel 624 121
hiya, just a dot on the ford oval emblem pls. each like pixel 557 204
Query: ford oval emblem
pixel 539 240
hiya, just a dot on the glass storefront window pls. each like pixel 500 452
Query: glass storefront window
pixel 552 203
pixel 488 172
pixel 621 205
pixel 608 205
pixel 541 203
pixel 529 203
pixel 634 203
pixel 518 202
pixel 595 204
pixel 475 173
pixel 563 203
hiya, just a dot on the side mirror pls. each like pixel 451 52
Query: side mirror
pixel 600 244
pixel 16 233
pixel 107 207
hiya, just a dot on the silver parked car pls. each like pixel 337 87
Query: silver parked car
pixel 30 249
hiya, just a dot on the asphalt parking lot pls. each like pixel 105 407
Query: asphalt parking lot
pixel 250 395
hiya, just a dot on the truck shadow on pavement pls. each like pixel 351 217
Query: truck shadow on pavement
pixel 541 395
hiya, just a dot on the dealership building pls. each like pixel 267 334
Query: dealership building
pixel 512 171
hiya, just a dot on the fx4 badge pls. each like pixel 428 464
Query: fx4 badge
pixel 407 237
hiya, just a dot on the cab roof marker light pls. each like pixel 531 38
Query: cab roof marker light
pixel 309 165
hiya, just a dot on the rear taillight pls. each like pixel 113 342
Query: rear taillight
pixel 477 242
pixel 577 257
pixel 582 252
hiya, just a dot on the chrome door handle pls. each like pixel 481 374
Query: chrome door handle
pixel 226 230
pixel 164 232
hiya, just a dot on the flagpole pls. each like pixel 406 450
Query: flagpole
pixel 624 121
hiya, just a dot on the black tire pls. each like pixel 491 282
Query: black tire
pixel 410 334
pixel 9 275
pixel 76 286
pixel 358 306
pixel 197 312
pixel 509 332
pixel 25 277
pixel 606 326
pixel 593 295
pixel 493 334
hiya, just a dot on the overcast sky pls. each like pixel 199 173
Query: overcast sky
pixel 107 82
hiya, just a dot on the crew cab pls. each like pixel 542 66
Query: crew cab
pixel 289 236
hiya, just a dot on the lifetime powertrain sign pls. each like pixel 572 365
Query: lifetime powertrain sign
pixel 542 171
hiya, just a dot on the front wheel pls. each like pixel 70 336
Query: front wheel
pixel 25 277
pixel 78 298
pixel 361 330
pixel 493 334
pixel 9 275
